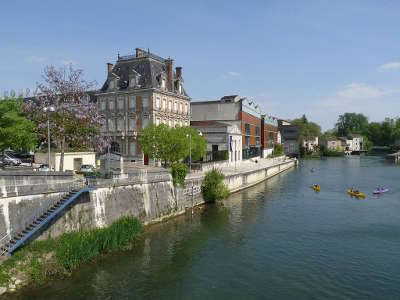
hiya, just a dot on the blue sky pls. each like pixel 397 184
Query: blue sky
pixel 321 58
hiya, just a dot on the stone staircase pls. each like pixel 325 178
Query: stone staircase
pixel 11 242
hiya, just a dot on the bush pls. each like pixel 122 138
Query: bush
pixel 278 149
pixel 213 187
pixel 179 172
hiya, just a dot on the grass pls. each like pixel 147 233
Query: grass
pixel 42 260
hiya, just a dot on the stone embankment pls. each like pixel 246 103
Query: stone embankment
pixel 147 195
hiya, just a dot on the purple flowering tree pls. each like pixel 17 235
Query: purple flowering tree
pixel 75 122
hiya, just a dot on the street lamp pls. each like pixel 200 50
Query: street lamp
pixel 48 110
pixel 190 148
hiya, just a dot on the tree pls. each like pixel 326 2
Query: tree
pixel 75 122
pixel 16 131
pixel 351 123
pixel 307 128
pixel 171 145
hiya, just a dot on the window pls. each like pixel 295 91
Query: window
pixel 111 104
pixel 176 106
pixel 112 84
pixel 158 121
pixel 247 128
pixel 164 104
pixel 247 141
pixel 132 102
pixel 158 102
pixel 163 83
pixel 132 148
pixel 257 131
pixel 103 103
pixel 180 107
pixel 111 124
pixel 120 103
pixel 132 124
pixel 145 102
pixel 120 124
pixel 145 121
pixel 186 108
pixel 170 105
pixel 180 88
pixel 271 139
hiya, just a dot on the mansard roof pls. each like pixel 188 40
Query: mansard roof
pixel 148 68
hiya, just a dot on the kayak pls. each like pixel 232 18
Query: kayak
pixel 356 194
pixel 316 188
pixel 381 191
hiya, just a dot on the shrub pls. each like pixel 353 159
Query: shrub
pixel 278 149
pixel 179 172
pixel 213 187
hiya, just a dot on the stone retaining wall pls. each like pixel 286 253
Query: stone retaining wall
pixel 149 198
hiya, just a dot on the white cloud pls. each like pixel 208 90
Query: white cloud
pixel 34 59
pixel 395 65
pixel 361 91
pixel 231 74
pixel 234 74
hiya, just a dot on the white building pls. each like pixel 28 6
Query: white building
pixel 310 143
pixel 224 140
pixel 72 160
pixel 354 142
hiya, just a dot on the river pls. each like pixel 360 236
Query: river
pixel 277 240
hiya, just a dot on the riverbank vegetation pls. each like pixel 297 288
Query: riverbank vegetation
pixel 52 258
pixel 213 187
pixel 179 172
pixel 172 144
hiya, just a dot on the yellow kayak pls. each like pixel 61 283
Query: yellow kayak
pixel 356 194
pixel 316 187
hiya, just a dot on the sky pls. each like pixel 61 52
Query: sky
pixel 319 58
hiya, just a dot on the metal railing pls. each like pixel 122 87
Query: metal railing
pixel 7 237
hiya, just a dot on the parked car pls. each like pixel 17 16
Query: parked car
pixel 10 159
pixel 44 168
pixel 87 169
pixel 23 156
pixel 2 164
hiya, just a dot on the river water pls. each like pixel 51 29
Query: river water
pixel 277 240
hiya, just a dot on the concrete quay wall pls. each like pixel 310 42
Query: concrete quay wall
pixel 149 198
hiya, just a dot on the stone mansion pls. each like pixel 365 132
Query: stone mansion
pixel 141 89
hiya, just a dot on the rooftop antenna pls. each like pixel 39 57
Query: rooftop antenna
pixel 118 55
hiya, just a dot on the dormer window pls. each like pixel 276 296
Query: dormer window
pixel 112 84
pixel 163 83
pixel 180 88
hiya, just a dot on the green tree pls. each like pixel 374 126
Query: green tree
pixel 16 131
pixel 307 128
pixel 351 123
pixel 171 145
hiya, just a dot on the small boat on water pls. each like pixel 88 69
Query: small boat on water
pixel 380 190
pixel 356 194
pixel 316 187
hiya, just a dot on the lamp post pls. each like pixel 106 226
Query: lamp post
pixel 48 110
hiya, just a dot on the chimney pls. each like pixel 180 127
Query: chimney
pixel 178 71
pixel 109 68
pixel 169 64
pixel 140 53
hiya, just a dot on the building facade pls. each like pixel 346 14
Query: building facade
pixel 234 110
pixel 269 136
pixel 141 89
pixel 310 143
pixel 224 140
pixel 290 135
pixel 333 144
